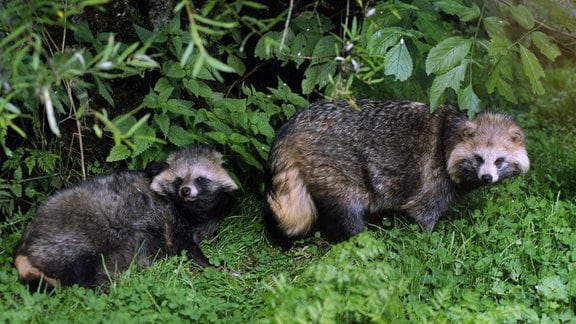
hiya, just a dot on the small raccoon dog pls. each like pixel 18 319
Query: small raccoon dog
pixel 97 228
pixel 334 165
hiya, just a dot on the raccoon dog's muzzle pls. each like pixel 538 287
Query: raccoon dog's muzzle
pixel 191 188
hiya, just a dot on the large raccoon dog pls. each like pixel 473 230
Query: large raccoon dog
pixel 96 228
pixel 334 164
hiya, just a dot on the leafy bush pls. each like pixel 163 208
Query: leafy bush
pixel 46 73
pixel 447 48
pixel 412 41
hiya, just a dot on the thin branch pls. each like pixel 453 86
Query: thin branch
pixel 286 25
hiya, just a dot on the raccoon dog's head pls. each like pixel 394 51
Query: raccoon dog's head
pixel 488 149
pixel 191 174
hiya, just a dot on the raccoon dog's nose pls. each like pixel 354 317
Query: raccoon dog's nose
pixel 486 178
pixel 185 192
pixel 188 192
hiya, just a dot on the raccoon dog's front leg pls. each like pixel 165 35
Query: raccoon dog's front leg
pixel 195 254
pixel 184 240
pixel 426 213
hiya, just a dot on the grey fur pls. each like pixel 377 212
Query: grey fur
pixel 97 228
pixel 333 164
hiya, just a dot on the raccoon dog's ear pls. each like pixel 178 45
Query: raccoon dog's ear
pixel 517 136
pixel 154 168
pixel 468 129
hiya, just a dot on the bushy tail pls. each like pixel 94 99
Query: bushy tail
pixel 288 201
pixel 31 275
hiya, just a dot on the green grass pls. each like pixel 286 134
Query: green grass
pixel 502 254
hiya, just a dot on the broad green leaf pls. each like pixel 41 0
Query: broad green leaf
pixel 198 88
pixel 495 26
pixel 16 190
pixel 468 100
pixel 263 149
pixel 236 63
pixel 383 39
pixel 269 41
pixel 463 12
pixel 398 62
pixel 123 123
pixel 118 152
pixel 164 94
pixel 317 74
pixel 325 47
pixel 239 119
pixel 498 79
pixel 162 84
pixel 238 138
pixel 200 116
pixel 82 32
pixel 177 44
pixel 174 25
pixel 532 69
pixel 546 47
pixel 505 89
pixel 230 105
pixel 299 49
pixel 523 16
pixel 498 46
pixel 447 54
pixel 263 125
pixel 134 128
pixel 180 137
pixel 163 122
pixel 431 24
pixel 450 79
pixel 143 140
pixel 104 90
pixel 220 138
pixel 219 113
pixel 150 100
pixel 180 107
pixel 494 75
pixel 172 69
pixel 218 126
pixel 142 33
pixel 247 157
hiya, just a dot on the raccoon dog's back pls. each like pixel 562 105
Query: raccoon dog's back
pixel 335 163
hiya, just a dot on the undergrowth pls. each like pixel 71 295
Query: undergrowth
pixel 504 254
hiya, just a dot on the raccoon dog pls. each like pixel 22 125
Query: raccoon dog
pixel 97 228
pixel 334 164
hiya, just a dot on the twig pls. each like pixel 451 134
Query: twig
pixel 286 25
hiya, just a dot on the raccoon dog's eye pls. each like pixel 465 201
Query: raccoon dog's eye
pixel 201 181
pixel 178 182
pixel 498 163
pixel 478 159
